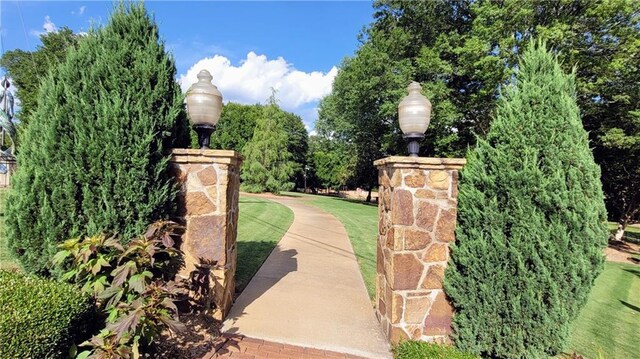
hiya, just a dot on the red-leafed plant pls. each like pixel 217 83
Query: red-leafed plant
pixel 133 286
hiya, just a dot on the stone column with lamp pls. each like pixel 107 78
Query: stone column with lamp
pixel 208 203
pixel 417 218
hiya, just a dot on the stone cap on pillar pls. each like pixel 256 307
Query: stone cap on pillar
pixel 427 163
pixel 193 155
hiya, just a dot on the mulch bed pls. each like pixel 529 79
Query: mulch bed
pixel 201 337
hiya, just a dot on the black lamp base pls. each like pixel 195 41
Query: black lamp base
pixel 414 139
pixel 204 135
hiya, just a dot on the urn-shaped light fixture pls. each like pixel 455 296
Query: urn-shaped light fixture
pixel 414 114
pixel 204 106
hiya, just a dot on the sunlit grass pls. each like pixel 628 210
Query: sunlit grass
pixel 609 324
pixel 261 225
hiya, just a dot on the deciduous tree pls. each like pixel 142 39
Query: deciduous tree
pixel 464 52
pixel 331 161
pixel 29 68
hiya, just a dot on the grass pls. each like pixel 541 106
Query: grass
pixel 609 324
pixel 420 350
pixel 261 225
pixel 361 222
pixel 6 262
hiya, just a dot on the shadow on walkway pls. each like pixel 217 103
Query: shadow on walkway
pixel 310 292
pixel 282 263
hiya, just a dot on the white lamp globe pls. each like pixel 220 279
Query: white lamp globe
pixel 414 112
pixel 204 101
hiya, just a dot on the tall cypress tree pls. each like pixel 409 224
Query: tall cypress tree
pixel 95 156
pixel 532 221
pixel 268 166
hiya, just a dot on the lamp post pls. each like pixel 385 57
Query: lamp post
pixel 414 114
pixel 306 168
pixel 204 106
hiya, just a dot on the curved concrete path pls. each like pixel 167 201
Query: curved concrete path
pixel 309 292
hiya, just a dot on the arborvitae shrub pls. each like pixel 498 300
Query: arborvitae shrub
pixel 95 156
pixel 42 318
pixel 531 222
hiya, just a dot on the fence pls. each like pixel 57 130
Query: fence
pixel 7 168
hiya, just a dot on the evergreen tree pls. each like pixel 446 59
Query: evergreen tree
pixel 531 222
pixel 95 156
pixel 236 126
pixel 268 166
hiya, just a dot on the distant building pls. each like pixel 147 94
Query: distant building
pixel 7 168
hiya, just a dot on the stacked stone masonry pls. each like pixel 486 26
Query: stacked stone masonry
pixel 208 204
pixel 417 219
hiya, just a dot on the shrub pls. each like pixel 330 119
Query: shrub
pixel 131 286
pixel 420 350
pixel 94 157
pixel 532 222
pixel 41 318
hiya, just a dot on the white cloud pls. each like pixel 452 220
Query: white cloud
pixel 251 82
pixel 47 27
pixel 80 11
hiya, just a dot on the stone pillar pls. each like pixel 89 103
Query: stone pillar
pixel 417 203
pixel 208 203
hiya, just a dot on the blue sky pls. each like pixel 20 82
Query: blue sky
pixel 248 46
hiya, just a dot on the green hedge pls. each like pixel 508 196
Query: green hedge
pixel 41 318
pixel 421 350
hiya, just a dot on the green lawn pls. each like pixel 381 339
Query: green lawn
pixel 361 222
pixel 6 262
pixel 610 321
pixel 261 225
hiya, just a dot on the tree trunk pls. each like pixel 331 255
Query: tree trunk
pixel 368 200
pixel 620 232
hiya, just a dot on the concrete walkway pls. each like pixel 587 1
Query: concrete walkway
pixel 309 292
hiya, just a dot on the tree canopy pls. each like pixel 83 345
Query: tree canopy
pixel 464 52
pixel 331 162
pixel 28 68
pixel 236 126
